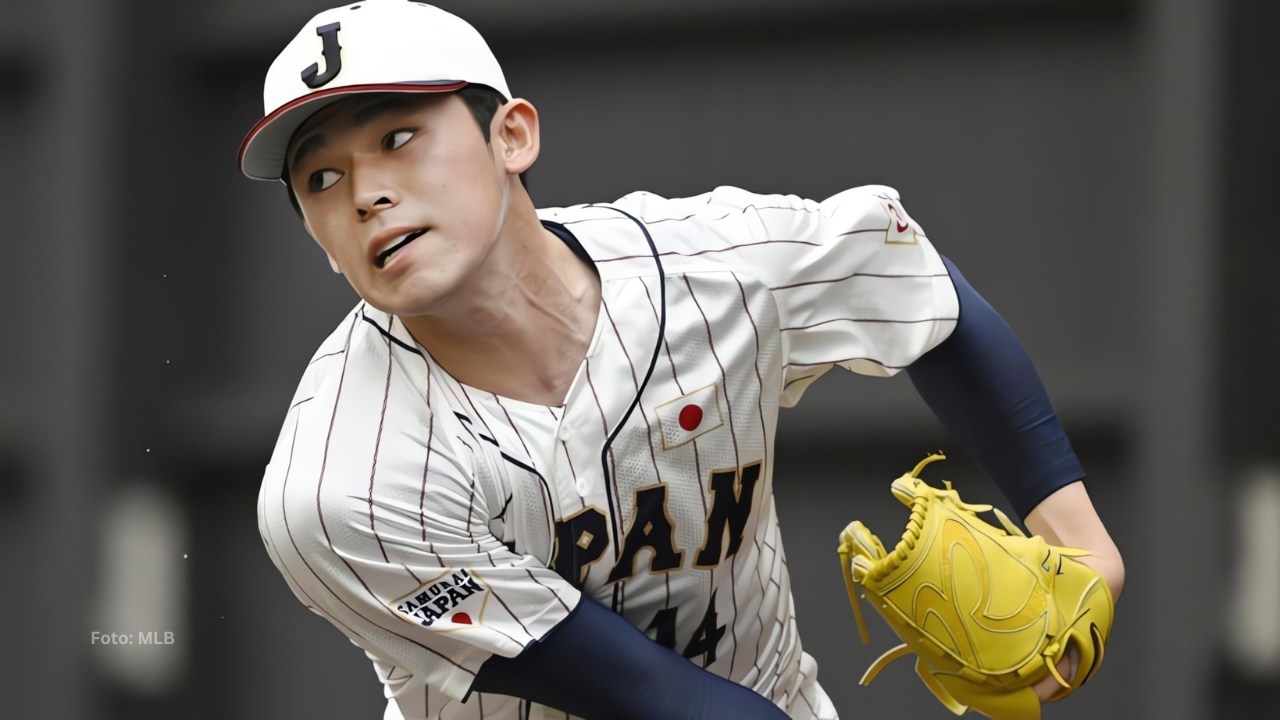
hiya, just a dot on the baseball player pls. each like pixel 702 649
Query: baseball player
pixel 530 473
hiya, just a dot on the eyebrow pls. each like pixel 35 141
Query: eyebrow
pixel 312 143
pixel 363 116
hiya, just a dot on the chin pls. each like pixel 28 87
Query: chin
pixel 408 300
pixel 396 305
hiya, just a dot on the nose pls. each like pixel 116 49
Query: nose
pixel 367 208
pixel 371 190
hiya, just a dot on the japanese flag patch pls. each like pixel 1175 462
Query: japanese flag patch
pixel 689 417
pixel 902 229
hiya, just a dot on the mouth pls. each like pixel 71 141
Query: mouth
pixel 395 245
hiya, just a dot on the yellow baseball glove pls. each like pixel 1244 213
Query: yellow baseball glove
pixel 989 612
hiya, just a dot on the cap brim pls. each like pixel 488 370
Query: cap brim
pixel 262 152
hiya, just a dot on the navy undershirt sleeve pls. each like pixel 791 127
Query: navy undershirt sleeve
pixel 595 664
pixel 981 385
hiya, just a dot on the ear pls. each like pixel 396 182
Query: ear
pixel 514 135
pixel 333 264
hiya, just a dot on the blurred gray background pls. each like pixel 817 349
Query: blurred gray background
pixel 1102 170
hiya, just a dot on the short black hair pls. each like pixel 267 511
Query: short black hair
pixel 483 102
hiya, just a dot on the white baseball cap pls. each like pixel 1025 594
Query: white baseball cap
pixel 366 46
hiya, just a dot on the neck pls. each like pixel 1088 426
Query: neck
pixel 524 330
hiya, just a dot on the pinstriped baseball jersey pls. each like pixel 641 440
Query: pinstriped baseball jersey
pixel 436 524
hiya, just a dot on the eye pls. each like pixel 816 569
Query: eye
pixel 322 180
pixel 395 139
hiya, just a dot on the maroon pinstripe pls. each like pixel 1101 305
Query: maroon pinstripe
pixel 323 526
pixel 742 292
pixel 850 276
pixel 737 459
pixel 377 444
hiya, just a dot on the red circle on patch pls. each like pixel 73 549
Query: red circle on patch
pixel 690 417
pixel 461 618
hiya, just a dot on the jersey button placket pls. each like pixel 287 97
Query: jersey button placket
pixel 565 435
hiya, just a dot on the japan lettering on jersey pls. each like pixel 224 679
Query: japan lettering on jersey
pixel 436 524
